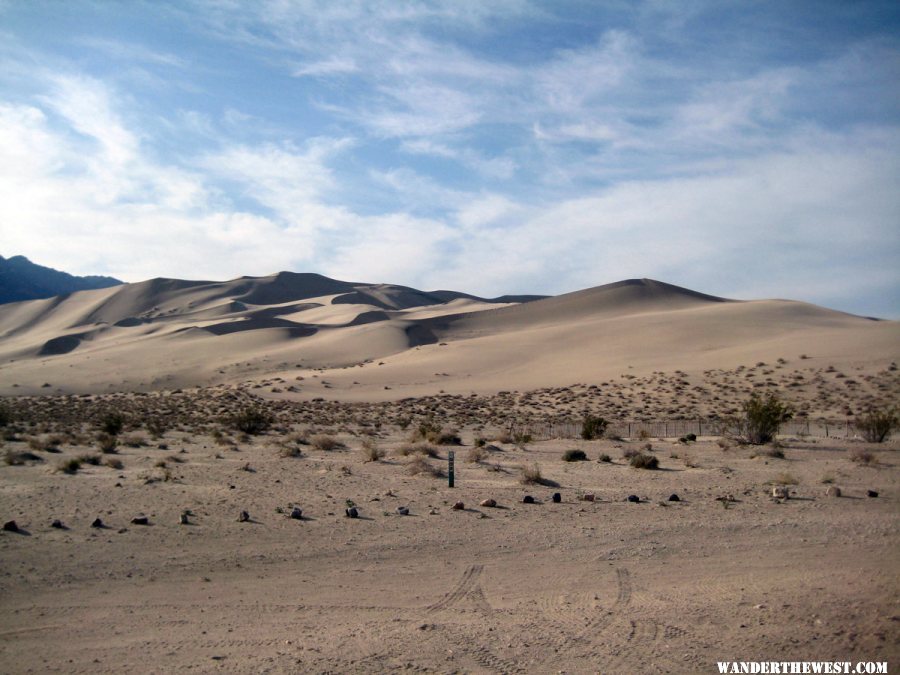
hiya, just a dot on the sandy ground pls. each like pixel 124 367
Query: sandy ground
pixel 605 586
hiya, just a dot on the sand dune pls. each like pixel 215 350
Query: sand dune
pixel 400 341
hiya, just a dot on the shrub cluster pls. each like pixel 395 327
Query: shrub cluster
pixel 593 427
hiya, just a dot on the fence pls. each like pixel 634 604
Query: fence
pixel 678 428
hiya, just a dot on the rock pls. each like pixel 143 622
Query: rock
pixel 296 513
pixel 557 498
pixel 589 497
pixel 10 526
pixel 674 498
pixel 403 510
pixel 780 492
pixel 184 519
pixel 833 491
pixel 726 498
pixel 871 493
pixel 458 506
pixel 57 525
pixel 244 517
pixel 97 523
pixel 634 499
pixel 140 520
pixel 528 499
pixel 352 512
pixel 490 503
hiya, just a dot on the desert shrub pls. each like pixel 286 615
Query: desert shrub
pixel 370 451
pixel 643 434
pixel 574 456
pixel 774 452
pixel 288 450
pixel 251 421
pixel 480 442
pixel 861 456
pixel 604 458
pixel 325 442
pixel 531 475
pixel 876 425
pixel 628 453
pixel 642 461
pixel 476 455
pixel 134 440
pixel 45 444
pixel 504 437
pixel 69 466
pixel 760 420
pixel 5 416
pixel 785 479
pixel 93 460
pixel 114 463
pixel 107 443
pixel 112 423
pixel 593 427
pixel 156 428
pixel 14 458
pixel 419 465
pixel 425 449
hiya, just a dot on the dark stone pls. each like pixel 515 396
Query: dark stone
pixel 403 511
pixel 10 526
pixel 872 493
pixel 97 523
pixel 297 513
pixel 634 499
pixel 557 498
pixel 352 512
pixel 674 498
pixel 57 525
pixel 528 499
pixel 184 519
pixel 140 520
pixel 489 503
pixel 244 517
pixel 459 506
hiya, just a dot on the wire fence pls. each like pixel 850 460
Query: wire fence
pixel 678 428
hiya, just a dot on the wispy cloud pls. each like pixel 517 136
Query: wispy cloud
pixel 493 147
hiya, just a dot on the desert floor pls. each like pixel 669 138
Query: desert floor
pixel 578 586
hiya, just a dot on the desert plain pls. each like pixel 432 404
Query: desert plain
pixel 190 540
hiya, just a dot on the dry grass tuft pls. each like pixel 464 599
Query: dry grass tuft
pixel 861 456
pixel 419 465
pixel 325 442
pixel 426 449
pixel 370 450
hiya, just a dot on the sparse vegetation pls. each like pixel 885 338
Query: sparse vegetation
pixel 325 442
pixel 14 458
pixel 761 418
pixel 604 458
pixel 861 456
pixel 112 423
pixel 531 475
pixel 425 449
pixel 69 466
pixel 107 443
pixel 419 465
pixel 876 425
pixel 114 463
pixel 642 461
pixel 785 479
pixel 251 421
pixel 593 427
pixel 370 450
pixel 574 455
pixel 476 455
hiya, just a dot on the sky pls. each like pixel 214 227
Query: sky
pixel 748 149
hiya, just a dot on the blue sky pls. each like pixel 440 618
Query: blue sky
pixel 745 149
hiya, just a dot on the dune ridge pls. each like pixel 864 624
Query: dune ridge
pixel 400 341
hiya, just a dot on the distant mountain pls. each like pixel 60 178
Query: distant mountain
pixel 21 279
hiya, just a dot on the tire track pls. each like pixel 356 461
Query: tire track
pixel 469 577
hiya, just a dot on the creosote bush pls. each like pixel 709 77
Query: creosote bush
pixel 531 475
pixel 325 442
pixel 112 423
pixel 593 427
pixel 419 465
pixel 107 443
pixel 861 456
pixel 761 419
pixel 876 425
pixel 251 421
pixel 574 455
pixel 370 450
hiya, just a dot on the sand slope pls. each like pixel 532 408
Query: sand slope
pixel 400 341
